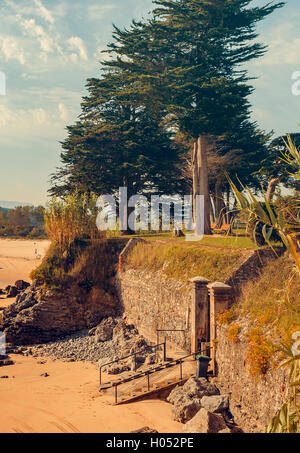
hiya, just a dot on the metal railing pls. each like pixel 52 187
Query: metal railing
pixel 134 354
pixel 170 364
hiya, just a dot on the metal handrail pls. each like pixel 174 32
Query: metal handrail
pixel 147 373
pixel 134 354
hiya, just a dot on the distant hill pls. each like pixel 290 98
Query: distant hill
pixel 13 204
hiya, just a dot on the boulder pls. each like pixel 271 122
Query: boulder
pixel 185 409
pixel 12 292
pixel 193 388
pixel 104 331
pixel 205 422
pixel 215 403
pixel 21 285
pixel 199 387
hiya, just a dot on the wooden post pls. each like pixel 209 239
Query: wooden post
pixel 199 313
pixel 220 298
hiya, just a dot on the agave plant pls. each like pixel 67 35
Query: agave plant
pixel 287 420
pixel 285 220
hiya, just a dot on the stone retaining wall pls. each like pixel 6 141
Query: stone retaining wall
pixel 253 402
pixel 150 301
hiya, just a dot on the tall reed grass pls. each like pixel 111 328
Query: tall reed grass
pixel 72 218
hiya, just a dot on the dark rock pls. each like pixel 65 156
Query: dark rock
pixel 145 430
pixel 21 285
pixel 12 292
pixel 6 362
pixel 104 331
pixel 45 375
pixel 4 377
pixel 39 316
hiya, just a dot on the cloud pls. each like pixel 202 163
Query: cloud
pixel 30 27
pixel 32 117
pixel 283 46
pixel 44 12
pixel 11 49
pixel 76 43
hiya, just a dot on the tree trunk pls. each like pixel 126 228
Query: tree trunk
pixel 200 179
pixel 271 189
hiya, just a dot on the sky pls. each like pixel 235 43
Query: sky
pixel 48 48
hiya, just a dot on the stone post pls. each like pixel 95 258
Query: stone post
pixel 220 298
pixel 199 313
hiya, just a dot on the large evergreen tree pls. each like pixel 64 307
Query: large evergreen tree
pixel 118 142
pixel 188 58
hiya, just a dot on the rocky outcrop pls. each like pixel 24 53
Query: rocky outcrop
pixel 186 399
pixel 83 346
pixel 199 405
pixel 39 315
pixel 13 290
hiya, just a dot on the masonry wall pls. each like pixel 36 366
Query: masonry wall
pixel 150 301
pixel 253 402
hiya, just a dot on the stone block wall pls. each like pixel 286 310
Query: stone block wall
pixel 253 402
pixel 150 301
pixel 250 268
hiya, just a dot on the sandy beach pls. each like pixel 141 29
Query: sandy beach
pixel 17 259
pixel 68 399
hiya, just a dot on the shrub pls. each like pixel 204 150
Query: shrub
pixel 233 333
pixel 260 352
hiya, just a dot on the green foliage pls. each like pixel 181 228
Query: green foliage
pixel 284 219
pixel 26 221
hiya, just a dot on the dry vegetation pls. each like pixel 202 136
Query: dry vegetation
pixel 88 263
pixel 182 262
pixel 271 305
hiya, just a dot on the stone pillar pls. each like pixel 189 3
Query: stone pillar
pixel 220 298
pixel 199 313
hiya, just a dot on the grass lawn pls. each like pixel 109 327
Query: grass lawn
pixel 219 241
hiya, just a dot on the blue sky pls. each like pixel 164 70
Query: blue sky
pixel 48 48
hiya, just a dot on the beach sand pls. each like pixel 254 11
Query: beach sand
pixel 17 260
pixel 67 400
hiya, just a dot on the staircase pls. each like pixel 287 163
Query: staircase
pixel 149 382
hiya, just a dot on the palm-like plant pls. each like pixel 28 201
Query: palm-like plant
pixel 286 221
